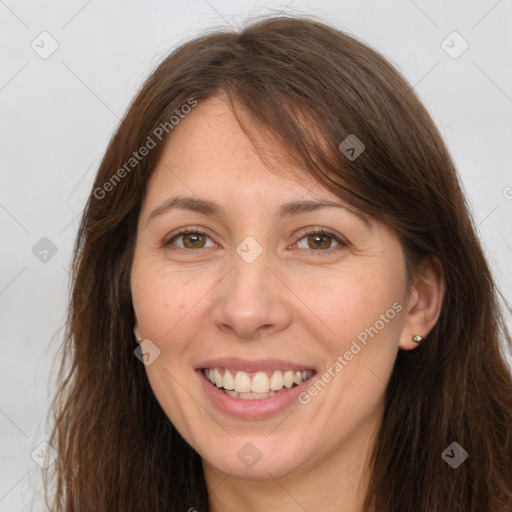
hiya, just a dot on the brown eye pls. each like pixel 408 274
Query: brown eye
pixel 189 240
pixel 321 241
pixel 193 240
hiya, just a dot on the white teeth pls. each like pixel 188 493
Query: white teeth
pixel 218 378
pixel 239 384
pixel 260 383
pixel 249 396
pixel 276 381
pixel 228 381
pixel 288 378
pixel 242 382
pixel 252 396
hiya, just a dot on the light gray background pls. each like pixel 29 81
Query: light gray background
pixel 57 115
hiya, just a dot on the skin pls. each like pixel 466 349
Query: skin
pixel 294 302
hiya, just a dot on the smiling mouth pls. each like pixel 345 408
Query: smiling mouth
pixel 256 385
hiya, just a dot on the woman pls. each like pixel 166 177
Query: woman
pixel 279 299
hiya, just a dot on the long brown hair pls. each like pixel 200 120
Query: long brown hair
pixel 308 86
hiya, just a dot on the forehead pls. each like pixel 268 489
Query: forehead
pixel 208 153
pixel 210 166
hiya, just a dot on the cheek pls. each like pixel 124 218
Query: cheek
pixel 164 306
pixel 351 301
pixel 162 302
pixel 364 319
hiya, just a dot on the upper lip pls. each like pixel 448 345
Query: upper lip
pixel 254 365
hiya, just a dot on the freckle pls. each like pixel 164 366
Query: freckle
pixel 174 306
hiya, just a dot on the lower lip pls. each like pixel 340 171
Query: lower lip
pixel 256 409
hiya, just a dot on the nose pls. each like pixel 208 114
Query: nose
pixel 251 301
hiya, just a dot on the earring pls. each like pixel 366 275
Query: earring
pixel 417 338
pixel 137 335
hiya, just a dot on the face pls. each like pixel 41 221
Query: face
pixel 294 305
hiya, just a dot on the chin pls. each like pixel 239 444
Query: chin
pixel 255 457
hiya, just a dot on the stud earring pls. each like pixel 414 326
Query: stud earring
pixel 417 338
pixel 137 335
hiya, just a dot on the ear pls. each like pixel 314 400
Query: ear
pixel 424 302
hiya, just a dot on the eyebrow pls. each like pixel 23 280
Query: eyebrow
pixel 211 208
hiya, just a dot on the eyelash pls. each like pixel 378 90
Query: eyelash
pixel 314 231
